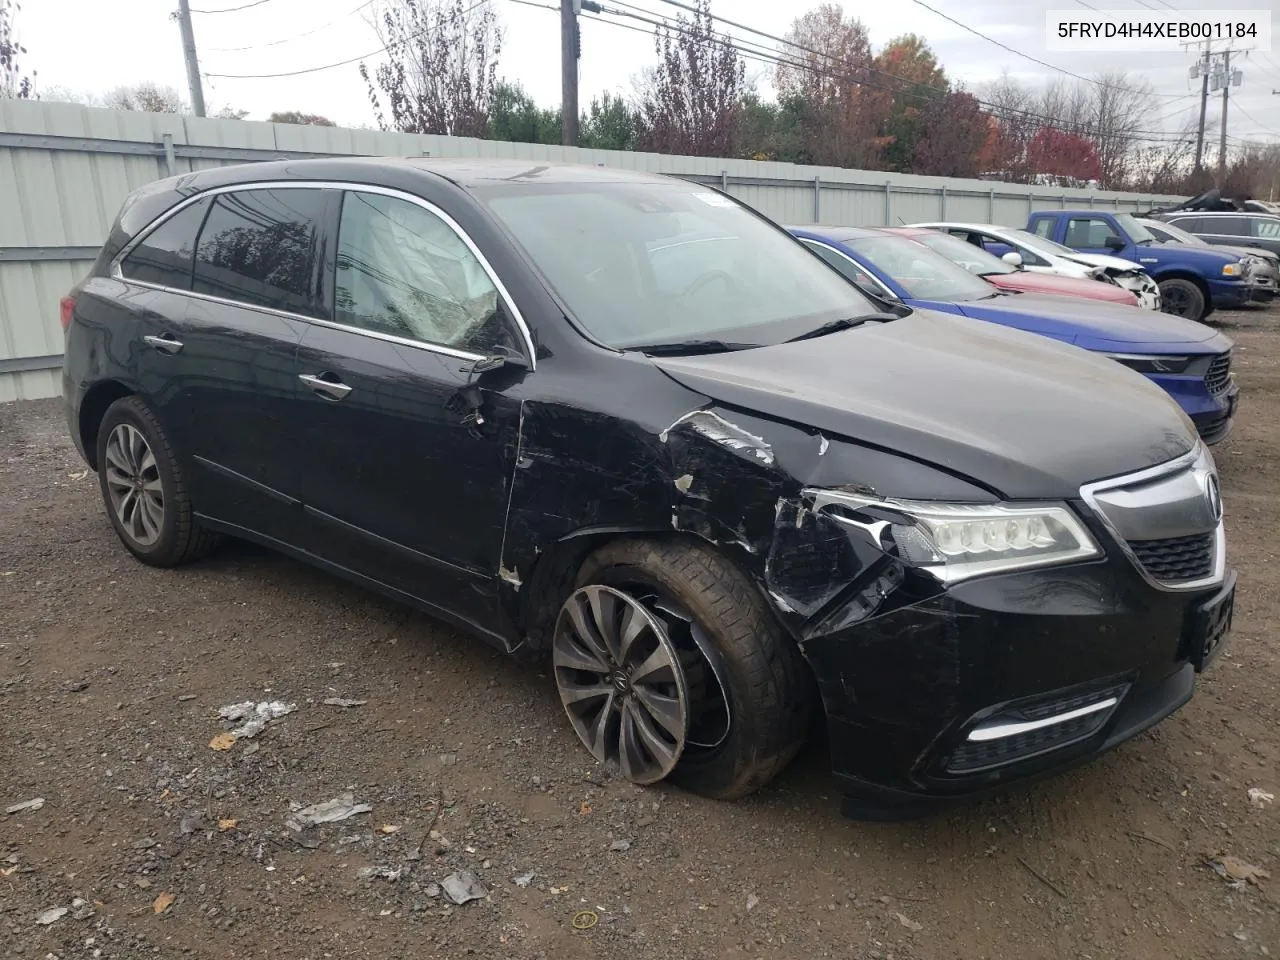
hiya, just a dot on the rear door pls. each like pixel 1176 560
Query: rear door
pixel 405 468
pixel 257 281
pixel 1265 233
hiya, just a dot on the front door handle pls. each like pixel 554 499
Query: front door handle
pixel 165 344
pixel 326 385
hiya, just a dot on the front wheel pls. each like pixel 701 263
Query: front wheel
pixel 1182 298
pixel 669 664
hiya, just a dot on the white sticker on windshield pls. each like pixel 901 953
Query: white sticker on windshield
pixel 715 200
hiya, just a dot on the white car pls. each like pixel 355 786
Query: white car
pixel 1041 255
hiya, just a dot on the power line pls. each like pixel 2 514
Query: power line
pixel 774 58
pixel 246 6
pixel 296 36
pixel 1013 50
pixel 1264 127
pixel 328 66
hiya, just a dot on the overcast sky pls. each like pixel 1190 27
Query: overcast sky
pixel 93 45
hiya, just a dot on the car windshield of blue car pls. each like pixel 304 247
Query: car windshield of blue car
pixel 924 274
pixel 639 264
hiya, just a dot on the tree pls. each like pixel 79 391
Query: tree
pixel 513 116
pixel 1121 105
pixel 953 133
pixel 1060 154
pixel 690 103
pixel 911 72
pixel 608 124
pixel 296 116
pixel 827 78
pixel 1012 105
pixel 13 82
pixel 146 97
pixel 443 68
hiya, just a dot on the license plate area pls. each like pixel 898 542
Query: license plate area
pixel 1209 625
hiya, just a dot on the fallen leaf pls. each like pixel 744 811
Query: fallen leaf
pixel 908 922
pixel 162 902
pixel 1260 798
pixel 223 741
pixel 389 828
pixel 228 824
pixel 584 809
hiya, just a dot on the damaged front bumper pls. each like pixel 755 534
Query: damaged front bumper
pixel 1141 286
pixel 936 693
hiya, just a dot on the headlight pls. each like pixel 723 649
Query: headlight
pixel 1234 269
pixel 956 541
pixel 1148 363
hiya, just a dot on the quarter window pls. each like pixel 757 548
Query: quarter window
pixel 1268 229
pixel 259 247
pixel 164 255
pixel 403 271
pixel 1042 227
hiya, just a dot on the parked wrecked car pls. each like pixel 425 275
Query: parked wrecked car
pixel 625 423
pixel 1264 265
pixel 1003 275
pixel 1190 361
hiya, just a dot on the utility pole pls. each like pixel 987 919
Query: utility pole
pixel 189 52
pixel 568 70
pixel 1222 134
pixel 1204 100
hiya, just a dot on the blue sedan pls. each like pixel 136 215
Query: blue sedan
pixel 1188 360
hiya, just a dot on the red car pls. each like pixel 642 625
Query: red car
pixel 1008 277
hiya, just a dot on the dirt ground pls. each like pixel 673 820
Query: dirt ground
pixel 112 675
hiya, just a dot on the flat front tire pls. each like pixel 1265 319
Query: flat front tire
pixel 144 489
pixel 670 665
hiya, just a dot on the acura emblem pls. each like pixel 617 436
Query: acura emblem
pixel 1213 497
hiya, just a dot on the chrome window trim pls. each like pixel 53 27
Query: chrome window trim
pixel 525 334
pixel 861 269
pixel 1000 730
pixel 1187 461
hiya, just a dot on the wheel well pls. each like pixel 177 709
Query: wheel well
pixel 556 570
pixel 1182 275
pixel 92 409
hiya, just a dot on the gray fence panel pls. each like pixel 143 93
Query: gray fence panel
pixel 65 170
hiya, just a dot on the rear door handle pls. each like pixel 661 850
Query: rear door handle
pixel 165 344
pixel 326 385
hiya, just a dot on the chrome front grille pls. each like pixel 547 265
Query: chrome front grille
pixel 1167 520
pixel 1218 377
pixel 1176 559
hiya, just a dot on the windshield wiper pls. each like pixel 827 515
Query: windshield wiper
pixel 678 347
pixel 845 323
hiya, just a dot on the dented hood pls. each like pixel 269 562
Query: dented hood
pixel 1023 415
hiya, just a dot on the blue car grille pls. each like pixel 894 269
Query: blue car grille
pixel 1218 377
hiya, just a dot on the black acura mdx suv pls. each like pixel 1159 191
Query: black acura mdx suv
pixel 625 422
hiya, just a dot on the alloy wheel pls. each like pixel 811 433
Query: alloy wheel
pixel 621 681
pixel 133 484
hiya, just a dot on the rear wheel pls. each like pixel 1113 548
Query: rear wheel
pixel 669 664
pixel 1182 298
pixel 144 489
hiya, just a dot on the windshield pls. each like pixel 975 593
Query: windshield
pixel 1041 245
pixel 925 275
pixel 974 259
pixel 1136 231
pixel 644 263
pixel 1176 233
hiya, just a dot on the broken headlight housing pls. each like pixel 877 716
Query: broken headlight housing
pixel 958 541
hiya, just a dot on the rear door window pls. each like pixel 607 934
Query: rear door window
pixel 163 257
pixel 259 247
pixel 1043 228
pixel 1221 226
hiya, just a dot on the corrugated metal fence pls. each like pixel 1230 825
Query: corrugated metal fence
pixel 64 170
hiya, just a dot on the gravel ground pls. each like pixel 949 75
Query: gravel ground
pixel 112 675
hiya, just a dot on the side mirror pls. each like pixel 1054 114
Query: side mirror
pixel 1013 258
pixel 1114 243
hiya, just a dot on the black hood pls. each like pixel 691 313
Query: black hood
pixel 1018 413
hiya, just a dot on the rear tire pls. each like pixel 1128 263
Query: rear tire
pixel 145 490
pixel 745 731
pixel 1182 298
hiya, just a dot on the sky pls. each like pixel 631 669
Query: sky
pixel 94 45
